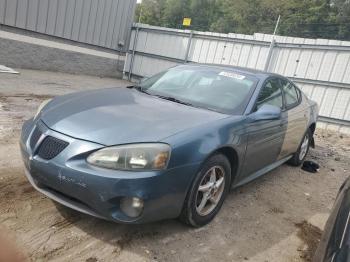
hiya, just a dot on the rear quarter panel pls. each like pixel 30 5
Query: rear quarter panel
pixel 314 110
pixel 296 120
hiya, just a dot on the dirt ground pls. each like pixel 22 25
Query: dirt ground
pixel 275 218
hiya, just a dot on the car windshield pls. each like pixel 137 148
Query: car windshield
pixel 217 89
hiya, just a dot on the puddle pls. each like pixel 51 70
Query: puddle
pixel 311 236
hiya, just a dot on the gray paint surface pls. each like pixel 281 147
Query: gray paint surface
pixel 104 23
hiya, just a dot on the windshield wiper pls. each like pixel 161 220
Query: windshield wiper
pixel 138 88
pixel 173 99
pixel 169 98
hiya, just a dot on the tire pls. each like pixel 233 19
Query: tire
pixel 299 156
pixel 194 213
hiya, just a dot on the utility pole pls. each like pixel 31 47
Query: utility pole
pixel 140 15
pixel 276 27
pixel 272 44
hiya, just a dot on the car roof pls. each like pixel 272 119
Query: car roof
pixel 248 71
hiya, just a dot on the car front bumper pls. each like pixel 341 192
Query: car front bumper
pixel 71 181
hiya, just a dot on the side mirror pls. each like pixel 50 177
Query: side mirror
pixel 266 112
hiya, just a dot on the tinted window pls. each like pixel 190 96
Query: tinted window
pixel 270 94
pixel 290 93
pixel 217 89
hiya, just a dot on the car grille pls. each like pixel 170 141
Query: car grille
pixel 51 147
pixel 35 137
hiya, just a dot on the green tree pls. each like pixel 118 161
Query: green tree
pixel 309 19
pixel 302 18
pixel 239 16
pixel 343 18
pixel 174 12
pixel 150 12
pixel 204 13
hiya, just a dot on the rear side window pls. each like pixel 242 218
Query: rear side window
pixel 270 94
pixel 291 94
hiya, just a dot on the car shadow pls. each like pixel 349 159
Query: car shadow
pixel 254 218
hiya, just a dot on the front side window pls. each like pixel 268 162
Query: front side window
pixel 290 93
pixel 270 94
pixel 218 89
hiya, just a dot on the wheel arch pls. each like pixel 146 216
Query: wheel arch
pixel 312 128
pixel 232 156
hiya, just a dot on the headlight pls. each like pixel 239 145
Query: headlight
pixel 44 103
pixel 150 156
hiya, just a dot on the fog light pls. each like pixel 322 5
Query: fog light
pixel 131 206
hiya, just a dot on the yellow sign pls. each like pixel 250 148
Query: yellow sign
pixel 187 21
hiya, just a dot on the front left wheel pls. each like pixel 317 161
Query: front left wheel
pixel 208 191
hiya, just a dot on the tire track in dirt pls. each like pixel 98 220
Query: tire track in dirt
pixel 14 188
pixel 39 240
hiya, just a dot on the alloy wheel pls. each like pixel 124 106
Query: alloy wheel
pixel 210 190
pixel 304 147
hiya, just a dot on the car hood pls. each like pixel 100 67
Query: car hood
pixel 120 116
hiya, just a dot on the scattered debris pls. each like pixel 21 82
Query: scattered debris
pixel 275 210
pixel 310 166
pixel 5 69
pixel 27 97
pixel 91 259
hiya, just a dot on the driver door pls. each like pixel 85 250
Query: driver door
pixel 265 137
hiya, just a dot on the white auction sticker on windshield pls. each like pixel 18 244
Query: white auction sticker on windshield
pixel 232 75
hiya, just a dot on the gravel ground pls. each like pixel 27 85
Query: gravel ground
pixel 275 218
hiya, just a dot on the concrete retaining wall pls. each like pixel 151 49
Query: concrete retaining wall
pixel 32 53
